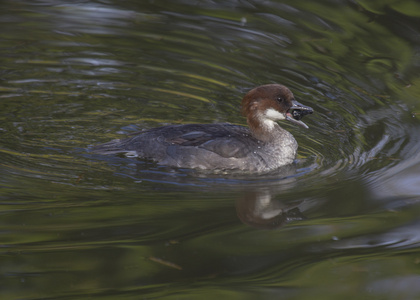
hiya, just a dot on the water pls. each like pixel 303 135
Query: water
pixel 341 223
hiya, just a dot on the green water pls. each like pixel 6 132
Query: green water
pixel 339 224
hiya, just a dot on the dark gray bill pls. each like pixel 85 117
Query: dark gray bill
pixel 297 112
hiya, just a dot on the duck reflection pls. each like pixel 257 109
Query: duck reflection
pixel 258 208
pixel 260 200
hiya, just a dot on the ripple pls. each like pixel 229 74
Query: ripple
pixel 83 73
pixel 354 129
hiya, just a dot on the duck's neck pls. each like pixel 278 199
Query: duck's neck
pixel 265 130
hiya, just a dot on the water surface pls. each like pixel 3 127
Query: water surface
pixel 340 223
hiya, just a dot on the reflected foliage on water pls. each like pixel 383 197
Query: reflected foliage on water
pixel 340 222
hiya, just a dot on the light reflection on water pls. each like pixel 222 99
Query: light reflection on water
pixel 343 219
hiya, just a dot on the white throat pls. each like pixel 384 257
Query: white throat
pixel 270 116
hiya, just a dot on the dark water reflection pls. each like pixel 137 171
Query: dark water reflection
pixel 342 221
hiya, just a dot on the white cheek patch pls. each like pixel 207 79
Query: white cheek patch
pixel 273 114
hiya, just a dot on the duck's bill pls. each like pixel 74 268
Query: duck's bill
pixel 297 112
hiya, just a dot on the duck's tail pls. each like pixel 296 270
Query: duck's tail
pixel 113 147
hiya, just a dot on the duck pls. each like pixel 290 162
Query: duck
pixel 261 147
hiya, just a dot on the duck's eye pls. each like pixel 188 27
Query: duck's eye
pixel 280 99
